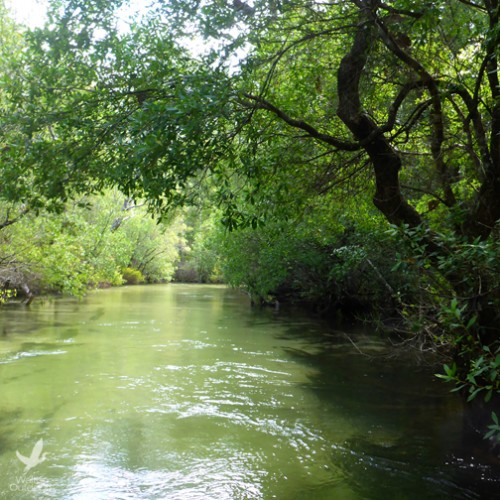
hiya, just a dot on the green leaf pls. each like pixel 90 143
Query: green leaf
pixel 474 393
pixel 489 434
pixel 471 323
pixel 488 395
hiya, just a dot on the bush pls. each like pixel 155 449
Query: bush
pixel 343 267
pixel 132 276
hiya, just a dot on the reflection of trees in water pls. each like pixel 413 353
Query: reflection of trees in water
pixel 410 443
pixel 406 470
pixel 7 420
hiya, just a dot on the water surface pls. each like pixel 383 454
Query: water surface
pixel 185 392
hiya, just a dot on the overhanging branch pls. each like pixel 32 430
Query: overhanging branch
pixel 261 103
pixel 9 221
pixel 385 160
pixel 437 120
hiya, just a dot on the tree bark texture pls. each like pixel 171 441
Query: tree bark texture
pixel 385 159
pixel 485 212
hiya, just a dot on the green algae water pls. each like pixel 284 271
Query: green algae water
pixel 186 392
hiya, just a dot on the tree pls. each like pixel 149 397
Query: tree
pixel 325 92
pixel 89 244
pixel 414 94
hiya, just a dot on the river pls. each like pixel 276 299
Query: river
pixel 186 392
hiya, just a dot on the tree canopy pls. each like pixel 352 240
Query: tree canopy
pixel 323 91
pixel 264 105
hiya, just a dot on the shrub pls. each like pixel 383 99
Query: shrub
pixel 132 276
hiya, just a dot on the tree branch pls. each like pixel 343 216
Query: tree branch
pixel 472 4
pixel 261 103
pixel 402 12
pixel 477 123
pixel 8 221
pixel 437 121
pixel 386 161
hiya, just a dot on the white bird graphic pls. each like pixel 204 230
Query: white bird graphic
pixel 36 457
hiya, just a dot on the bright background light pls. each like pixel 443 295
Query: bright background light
pixel 32 13
pixel 28 12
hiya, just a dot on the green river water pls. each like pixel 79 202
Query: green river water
pixel 186 392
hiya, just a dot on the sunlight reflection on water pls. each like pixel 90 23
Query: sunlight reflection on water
pixel 185 392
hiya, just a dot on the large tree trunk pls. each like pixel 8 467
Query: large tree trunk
pixel 386 162
pixel 484 214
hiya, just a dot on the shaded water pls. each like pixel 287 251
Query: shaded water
pixel 185 392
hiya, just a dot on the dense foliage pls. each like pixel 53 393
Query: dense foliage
pixel 97 241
